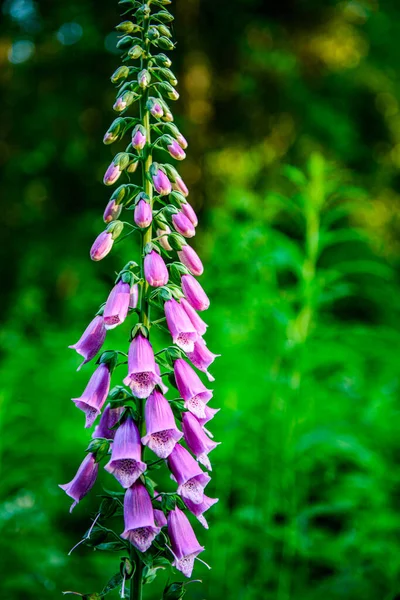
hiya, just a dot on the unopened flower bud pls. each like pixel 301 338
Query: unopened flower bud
pixel 144 78
pixel 155 271
pixel 191 260
pixel 139 137
pixel 133 165
pixel 153 33
pixel 182 225
pixel 164 16
pixel 120 162
pixel 115 131
pixel 155 108
pixel 167 89
pixel 121 73
pixel 135 52
pixel 163 30
pixel 180 186
pixel 125 41
pixel 188 211
pixel 162 60
pixel 165 43
pixel 123 101
pixel 126 27
pixel 101 246
pixel 168 74
pixel 112 211
pixel 175 150
pixel 143 214
pixel 161 183
pixel 163 235
pixel 115 228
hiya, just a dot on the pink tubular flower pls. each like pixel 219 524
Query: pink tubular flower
pixel 140 528
pixel 117 305
pixel 161 183
pixel 83 481
pixel 191 388
pixel 142 376
pixel 182 225
pixel 112 211
pixel 197 440
pixel 191 260
pixel 197 321
pixel 176 150
pixel 101 245
pixel 95 394
pixel 126 464
pixel 134 296
pixel 108 419
pixel 184 544
pixel 190 478
pixel 163 235
pixel 155 271
pixel 180 186
pixel 161 430
pixel 180 326
pixel 188 211
pixel 143 215
pixel 194 293
pixel 201 357
pixel 91 340
pixel 199 509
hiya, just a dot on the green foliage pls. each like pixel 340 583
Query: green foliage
pixel 301 267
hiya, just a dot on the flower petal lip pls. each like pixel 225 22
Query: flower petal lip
pixel 184 544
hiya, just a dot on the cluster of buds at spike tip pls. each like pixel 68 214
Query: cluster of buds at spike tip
pixel 136 426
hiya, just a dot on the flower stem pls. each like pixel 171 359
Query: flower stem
pixel 136 588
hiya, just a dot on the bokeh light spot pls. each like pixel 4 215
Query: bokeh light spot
pixel 69 33
pixel 21 51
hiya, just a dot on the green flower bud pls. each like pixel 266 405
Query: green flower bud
pixel 135 52
pixel 164 16
pixel 176 241
pixel 115 228
pixel 143 11
pixel 162 60
pixel 144 78
pixel 171 172
pixel 168 74
pixel 153 33
pixel 115 131
pixel 163 29
pixel 125 41
pixel 165 43
pixel 133 165
pixel 120 73
pixel 167 89
pixel 174 591
pixel 127 27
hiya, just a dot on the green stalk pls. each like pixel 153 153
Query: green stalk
pixel 136 589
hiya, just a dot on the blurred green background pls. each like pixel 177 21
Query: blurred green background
pixel 292 112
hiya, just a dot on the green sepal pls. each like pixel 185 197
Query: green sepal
pixel 150 573
pixel 164 30
pixel 99 447
pixel 168 74
pixel 108 507
pixel 153 33
pixel 176 241
pixel 110 358
pixel 168 502
pixel 139 328
pixel 150 485
pixel 127 567
pixel 119 393
pixel 135 52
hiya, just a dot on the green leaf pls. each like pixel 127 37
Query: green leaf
pixel 114 582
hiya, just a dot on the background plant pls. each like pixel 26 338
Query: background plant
pixel 292 80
